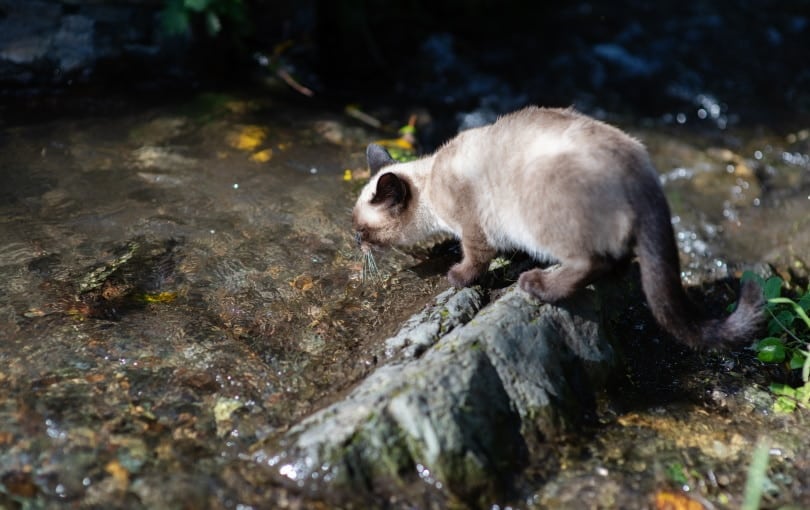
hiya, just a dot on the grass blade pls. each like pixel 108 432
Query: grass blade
pixel 756 475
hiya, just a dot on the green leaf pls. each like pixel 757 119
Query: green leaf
pixel 773 287
pixel 803 393
pixel 784 405
pixel 771 340
pixel 782 390
pixel 786 318
pixel 797 360
pixel 677 473
pixel 796 308
pixel 771 350
pixel 774 327
pixel 804 302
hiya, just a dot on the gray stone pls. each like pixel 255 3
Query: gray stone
pixel 462 416
pixel 50 41
pixel 451 308
pixel 73 43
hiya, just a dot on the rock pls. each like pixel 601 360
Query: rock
pixel 72 45
pixel 451 309
pixel 459 409
pixel 54 41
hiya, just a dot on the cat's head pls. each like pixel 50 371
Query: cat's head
pixel 383 214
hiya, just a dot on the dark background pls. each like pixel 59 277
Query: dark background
pixel 748 58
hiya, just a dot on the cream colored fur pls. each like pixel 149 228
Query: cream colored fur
pixel 527 182
pixel 558 185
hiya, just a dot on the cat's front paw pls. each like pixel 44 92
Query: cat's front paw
pixel 461 276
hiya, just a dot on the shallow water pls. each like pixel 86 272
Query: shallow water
pixel 180 282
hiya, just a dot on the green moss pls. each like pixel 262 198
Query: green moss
pixel 444 327
pixel 378 453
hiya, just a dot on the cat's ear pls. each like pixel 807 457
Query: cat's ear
pixel 391 190
pixel 377 158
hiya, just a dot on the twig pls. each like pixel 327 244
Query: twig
pixel 289 80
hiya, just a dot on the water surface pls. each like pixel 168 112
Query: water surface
pixel 180 282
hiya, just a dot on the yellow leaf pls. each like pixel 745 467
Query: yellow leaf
pixel 399 143
pixel 119 473
pixel 262 156
pixel 160 297
pixel 248 138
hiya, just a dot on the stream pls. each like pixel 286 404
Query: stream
pixel 180 283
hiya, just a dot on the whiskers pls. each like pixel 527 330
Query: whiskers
pixel 370 271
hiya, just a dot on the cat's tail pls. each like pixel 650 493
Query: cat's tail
pixel 661 280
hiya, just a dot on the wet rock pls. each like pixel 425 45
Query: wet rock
pixel 451 309
pixel 457 414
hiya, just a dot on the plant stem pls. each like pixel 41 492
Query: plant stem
pixel 756 475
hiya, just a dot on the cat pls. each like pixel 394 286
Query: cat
pixel 561 186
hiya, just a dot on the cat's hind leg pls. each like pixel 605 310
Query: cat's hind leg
pixel 552 285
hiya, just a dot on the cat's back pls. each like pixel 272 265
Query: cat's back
pixel 509 141
pixel 541 145
pixel 558 130
pixel 531 141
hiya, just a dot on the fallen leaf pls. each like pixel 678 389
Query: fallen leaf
pixel 118 473
pixel 248 138
pixel 302 282
pixel 665 500
pixel 160 297
pixel 262 156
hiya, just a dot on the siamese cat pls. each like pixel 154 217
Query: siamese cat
pixel 563 187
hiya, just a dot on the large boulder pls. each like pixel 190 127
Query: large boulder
pixel 454 413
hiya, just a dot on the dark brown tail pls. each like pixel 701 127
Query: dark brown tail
pixel 661 280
